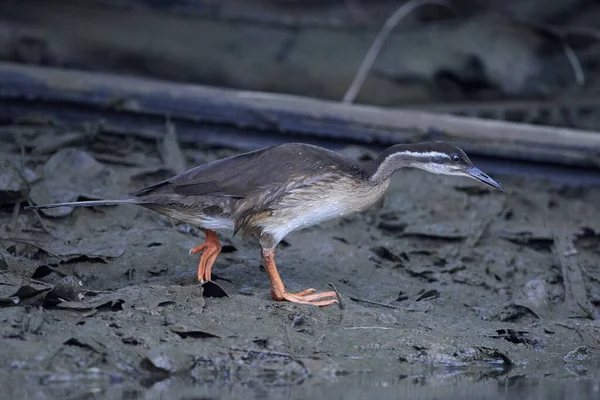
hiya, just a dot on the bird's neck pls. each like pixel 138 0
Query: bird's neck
pixel 393 158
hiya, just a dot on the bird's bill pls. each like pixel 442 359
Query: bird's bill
pixel 478 175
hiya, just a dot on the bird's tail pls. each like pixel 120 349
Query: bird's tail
pixel 93 203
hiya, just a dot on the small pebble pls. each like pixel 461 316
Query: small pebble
pixel 170 319
pixel 298 320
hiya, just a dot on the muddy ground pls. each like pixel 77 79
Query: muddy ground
pixel 447 288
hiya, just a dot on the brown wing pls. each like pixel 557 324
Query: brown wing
pixel 240 175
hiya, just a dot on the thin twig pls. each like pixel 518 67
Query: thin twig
pixel 339 298
pixel 576 331
pixel 42 283
pixel 560 33
pixel 289 342
pixel 379 41
pixel 39 218
pixel 23 176
pixel 575 64
pixel 373 302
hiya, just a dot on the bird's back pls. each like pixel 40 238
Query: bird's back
pixel 246 174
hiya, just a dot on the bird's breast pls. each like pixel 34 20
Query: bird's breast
pixel 306 207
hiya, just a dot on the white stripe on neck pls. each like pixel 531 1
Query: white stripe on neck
pixel 394 161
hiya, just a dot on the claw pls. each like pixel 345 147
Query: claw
pixel 210 249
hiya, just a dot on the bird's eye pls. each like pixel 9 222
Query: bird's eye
pixel 455 158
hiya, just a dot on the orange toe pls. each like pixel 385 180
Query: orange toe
pixel 315 299
pixel 210 249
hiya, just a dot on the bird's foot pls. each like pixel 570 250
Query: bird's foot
pixel 308 296
pixel 210 249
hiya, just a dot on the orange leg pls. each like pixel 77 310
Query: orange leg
pixel 279 293
pixel 211 248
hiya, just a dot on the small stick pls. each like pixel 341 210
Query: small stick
pixel 575 64
pixel 576 331
pixel 39 218
pixel 21 171
pixel 289 340
pixel 561 32
pixel 373 302
pixel 379 41
pixel 331 285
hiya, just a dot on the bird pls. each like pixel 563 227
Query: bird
pixel 270 192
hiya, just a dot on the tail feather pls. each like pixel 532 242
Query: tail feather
pixel 93 203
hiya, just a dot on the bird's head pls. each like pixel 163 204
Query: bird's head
pixel 437 158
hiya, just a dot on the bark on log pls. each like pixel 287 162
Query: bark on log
pixel 140 106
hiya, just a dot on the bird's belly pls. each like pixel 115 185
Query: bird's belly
pixel 215 223
pixel 283 222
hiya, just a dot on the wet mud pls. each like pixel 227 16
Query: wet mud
pixel 447 285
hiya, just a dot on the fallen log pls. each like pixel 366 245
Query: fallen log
pixel 245 120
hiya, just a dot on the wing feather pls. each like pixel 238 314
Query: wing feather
pixel 242 175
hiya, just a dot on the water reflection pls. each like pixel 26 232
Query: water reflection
pixel 450 384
